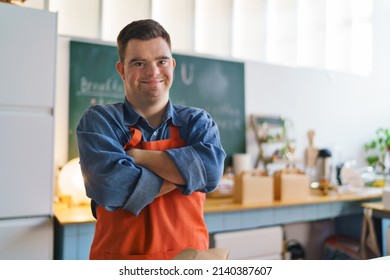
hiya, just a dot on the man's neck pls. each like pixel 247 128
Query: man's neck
pixel 153 114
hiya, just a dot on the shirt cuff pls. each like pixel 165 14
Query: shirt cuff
pixel 145 191
pixel 191 168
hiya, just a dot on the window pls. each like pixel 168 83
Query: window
pixel 328 34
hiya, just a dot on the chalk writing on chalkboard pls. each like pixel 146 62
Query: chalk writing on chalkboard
pixel 214 85
pixel 93 79
pixel 105 89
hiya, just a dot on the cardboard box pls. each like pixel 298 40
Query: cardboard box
pixel 291 184
pixel 252 187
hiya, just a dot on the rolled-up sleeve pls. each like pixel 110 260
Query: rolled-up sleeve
pixel 110 176
pixel 201 162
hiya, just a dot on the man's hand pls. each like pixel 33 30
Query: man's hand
pixel 166 188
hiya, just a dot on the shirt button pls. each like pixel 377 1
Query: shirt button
pixel 155 133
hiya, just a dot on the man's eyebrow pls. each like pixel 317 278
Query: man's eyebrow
pixel 163 57
pixel 136 59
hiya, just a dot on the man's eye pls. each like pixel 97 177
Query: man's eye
pixel 163 62
pixel 138 64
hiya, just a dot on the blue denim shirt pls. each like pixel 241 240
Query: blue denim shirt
pixel 111 177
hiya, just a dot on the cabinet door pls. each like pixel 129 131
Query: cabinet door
pixel 26 239
pixel 26 163
pixel 28 56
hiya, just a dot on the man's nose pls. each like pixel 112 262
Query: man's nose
pixel 152 70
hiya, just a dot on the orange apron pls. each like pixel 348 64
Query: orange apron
pixel 170 224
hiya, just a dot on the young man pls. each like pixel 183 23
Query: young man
pixel 147 163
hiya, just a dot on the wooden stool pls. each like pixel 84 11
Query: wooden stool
pixel 368 244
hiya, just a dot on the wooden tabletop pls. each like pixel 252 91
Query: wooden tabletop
pixel 228 204
pixel 82 214
pixel 375 206
pixel 377 209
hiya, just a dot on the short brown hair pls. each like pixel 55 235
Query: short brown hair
pixel 145 29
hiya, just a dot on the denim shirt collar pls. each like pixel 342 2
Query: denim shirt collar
pixel 131 117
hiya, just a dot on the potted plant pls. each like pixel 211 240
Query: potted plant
pixel 378 150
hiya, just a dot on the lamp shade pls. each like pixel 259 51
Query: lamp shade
pixel 71 183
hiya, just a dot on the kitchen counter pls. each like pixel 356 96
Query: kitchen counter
pixel 75 226
pixel 214 205
pixel 82 214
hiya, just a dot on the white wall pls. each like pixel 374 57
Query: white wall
pixel 344 110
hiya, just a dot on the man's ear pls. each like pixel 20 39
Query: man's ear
pixel 121 70
pixel 173 63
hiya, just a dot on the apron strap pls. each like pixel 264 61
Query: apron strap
pixel 175 133
pixel 136 137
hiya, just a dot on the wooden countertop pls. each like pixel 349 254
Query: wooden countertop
pixel 227 204
pixel 82 214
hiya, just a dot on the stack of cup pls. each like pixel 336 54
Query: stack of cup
pixel 242 162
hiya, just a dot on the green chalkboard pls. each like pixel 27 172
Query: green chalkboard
pixel 93 79
pixel 218 87
pixel 213 84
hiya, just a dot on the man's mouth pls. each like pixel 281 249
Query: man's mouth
pixel 152 81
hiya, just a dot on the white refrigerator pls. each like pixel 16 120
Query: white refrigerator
pixel 27 84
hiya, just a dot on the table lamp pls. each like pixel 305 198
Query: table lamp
pixel 71 184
